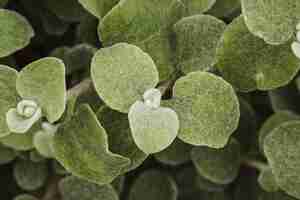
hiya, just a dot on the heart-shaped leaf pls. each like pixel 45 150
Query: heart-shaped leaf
pixel 194 54
pixel 220 166
pixel 98 8
pixel 272 20
pixel 282 150
pixel 8 97
pixel 81 146
pixel 248 63
pixel 121 74
pixel 15 32
pixel 207 107
pixel 43 81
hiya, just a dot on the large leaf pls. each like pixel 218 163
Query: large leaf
pixel 81 146
pixel 121 74
pixel 43 81
pixel 273 20
pixel 15 32
pixel 249 63
pixel 207 107
pixel 99 8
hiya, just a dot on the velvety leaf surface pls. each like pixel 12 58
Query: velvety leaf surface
pixel 193 7
pixel 196 42
pixel 143 23
pixel 72 188
pixel 43 142
pixel 220 166
pixel 153 129
pixel 248 63
pixel 15 34
pixel 44 82
pixel 273 20
pixel 21 142
pixel 29 175
pixel 98 8
pixel 267 181
pixel 8 97
pixel 81 146
pixel 284 159
pixel 121 74
pixel 207 107
pixel 153 184
pixel 119 135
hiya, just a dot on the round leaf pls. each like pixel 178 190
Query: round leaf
pixel 282 150
pixel 121 74
pixel 15 32
pixel 194 54
pixel 43 142
pixel 220 166
pixel 43 81
pixel 81 146
pixel 267 181
pixel 207 107
pixel 248 63
pixel 20 142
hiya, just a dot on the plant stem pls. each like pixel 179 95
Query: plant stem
pixel 164 86
pixel 259 165
pixel 80 88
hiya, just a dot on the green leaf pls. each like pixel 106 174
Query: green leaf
pixel 8 97
pixel 119 184
pixel 193 54
pixel 44 82
pixel 121 74
pixel 272 20
pixel 224 8
pixel 274 196
pixel 3 3
pixel 21 142
pixel 281 148
pixel 273 122
pixel 176 154
pixel 146 25
pixel 98 8
pixel 119 136
pixel 193 7
pixel 249 63
pixel 153 128
pixel 163 187
pixel 81 146
pixel 207 107
pixel 29 175
pixel 72 188
pixel 220 166
pixel 6 155
pixel 25 197
pixel 15 33
pixel 267 181
pixel 86 30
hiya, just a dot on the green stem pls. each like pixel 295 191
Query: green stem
pixel 80 88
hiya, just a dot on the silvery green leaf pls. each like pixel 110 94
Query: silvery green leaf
pixel 153 129
pixel 72 188
pixel 207 107
pixel 194 7
pixel 15 32
pixel 9 97
pixel 121 74
pixel 248 63
pixel 81 146
pixel 192 53
pixel 120 138
pixel 272 20
pixel 220 166
pixel 267 181
pixel 163 187
pixel 44 82
pixel 281 148
pixel 98 8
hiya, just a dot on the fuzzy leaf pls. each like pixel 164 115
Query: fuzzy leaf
pixel 20 142
pixel 146 25
pixel 81 146
pixel 98 8
pixel 8 97
pixel 282 150
pixel 163 187
pixel 249 63
pixel 121 74
pixel 194 54
pixel 44 82
pixel 267 181
pixel 220 166
pixel 29 175
pixel 272 20
pixel 43 142
pixel 15 32
pixel 193 7
pixel 72 188
pixel 207 107
pixel 119 136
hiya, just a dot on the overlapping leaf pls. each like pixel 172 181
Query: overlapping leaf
pixel 98 8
